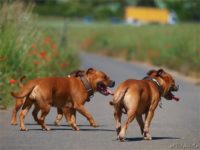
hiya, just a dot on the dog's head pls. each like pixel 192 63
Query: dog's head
pixel 99 81
pixel 166 81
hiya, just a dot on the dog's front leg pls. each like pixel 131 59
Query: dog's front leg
pixel 58 116
pixel 148 120
pixel 81 109
pixel 140 122
pixel 67 114
pixel 73 115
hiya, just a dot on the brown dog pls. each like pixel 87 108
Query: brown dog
pixel 140 97
pixel 20 101
pixel 76 73
pixel 63 93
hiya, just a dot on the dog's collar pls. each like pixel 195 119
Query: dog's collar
pixel 87 86
pixel 160 89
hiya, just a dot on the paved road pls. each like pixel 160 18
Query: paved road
pixel 176 126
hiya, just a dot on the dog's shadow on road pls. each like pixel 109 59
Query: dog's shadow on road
pixel 153 138
pixel 97 129
pixel 83 128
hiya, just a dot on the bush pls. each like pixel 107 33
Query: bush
pixel 26 49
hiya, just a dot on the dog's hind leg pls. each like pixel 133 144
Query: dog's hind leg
pixel 140 122
pixel 41 120
pixel 130 117
pixel 26 107
pixel 130 104
pixel 117 116
pixel 35 112
pixel 18 105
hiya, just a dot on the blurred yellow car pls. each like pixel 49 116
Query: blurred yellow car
pixel 149 15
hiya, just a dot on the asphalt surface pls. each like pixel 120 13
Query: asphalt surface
pixel 175 126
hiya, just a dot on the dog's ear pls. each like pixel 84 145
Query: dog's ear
pixel 160 72
pixel 77 73
pixel 90 70
pixel 80 73
pixel 151 72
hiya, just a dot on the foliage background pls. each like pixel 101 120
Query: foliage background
pixel 30 50
pixel 186 10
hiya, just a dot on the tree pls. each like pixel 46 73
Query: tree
pixel 151 3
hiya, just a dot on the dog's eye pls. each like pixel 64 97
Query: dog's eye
pixel 105 77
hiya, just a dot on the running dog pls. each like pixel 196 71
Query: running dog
pixel 138 97
pixel 67 94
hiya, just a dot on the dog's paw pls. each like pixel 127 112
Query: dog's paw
pixel 121 139
pixel 46 129
pixel 75 128
pixel 57 123
pixel 13 123
pixel 94 124
pixel 23 129
pixel 147 136
pixel 121 136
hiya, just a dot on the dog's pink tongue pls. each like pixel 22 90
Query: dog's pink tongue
pixel 109 91
pixel 175 98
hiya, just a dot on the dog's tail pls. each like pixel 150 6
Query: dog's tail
pixel 118 97
pixel 25 90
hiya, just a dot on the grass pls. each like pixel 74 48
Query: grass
pixel 30 50
pixel 174 46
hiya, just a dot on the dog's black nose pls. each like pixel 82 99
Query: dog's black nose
pixel 177 87
pixel 112 84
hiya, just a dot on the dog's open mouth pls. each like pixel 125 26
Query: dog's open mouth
pixel 103 89
pixel 171 96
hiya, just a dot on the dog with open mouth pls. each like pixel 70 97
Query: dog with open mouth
pixel 67 94
pixel 138 97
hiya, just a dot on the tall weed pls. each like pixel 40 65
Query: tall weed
pixel 26 49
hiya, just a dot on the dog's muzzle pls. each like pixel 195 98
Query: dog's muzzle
pixel 174 88
pixel 103 89
pixel 170 95
pixel 111 84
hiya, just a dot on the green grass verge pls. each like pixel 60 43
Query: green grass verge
pixel 30 50
pixel 174 46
